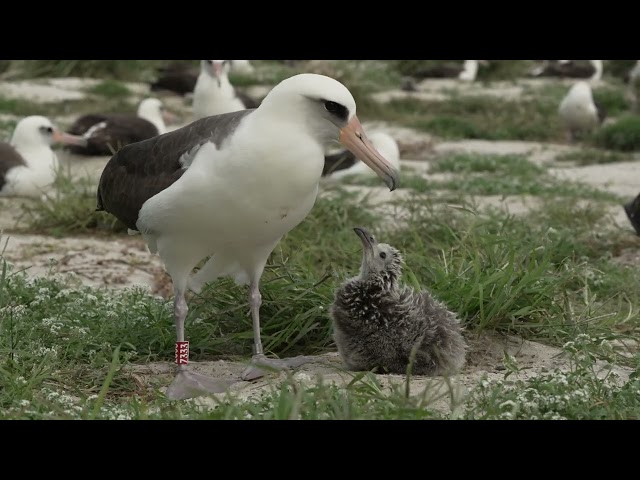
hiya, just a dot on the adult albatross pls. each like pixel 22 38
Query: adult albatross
pixel 230 186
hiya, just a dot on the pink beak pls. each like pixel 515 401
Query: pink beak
pixel 68 139
pixel 169 117
pixel 353 138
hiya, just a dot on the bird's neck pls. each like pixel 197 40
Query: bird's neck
pixel 470 70
pixel 37 155
pixel 220 86
pixel 597 65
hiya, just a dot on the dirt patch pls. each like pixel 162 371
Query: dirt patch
pixel 620 178
pixel 115 262
pixel 484 361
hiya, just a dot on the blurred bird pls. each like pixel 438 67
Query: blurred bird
pixel 591 70
pixel 214 94
pixel 579 112
pixel 106 133
pixel 345 163
pixel 28 165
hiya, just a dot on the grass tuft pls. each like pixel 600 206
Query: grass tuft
pixel 623 135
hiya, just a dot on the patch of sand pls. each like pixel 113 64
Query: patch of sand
pixel 484 361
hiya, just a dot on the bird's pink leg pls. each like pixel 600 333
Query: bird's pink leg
pixel 188 384
pixel 260 364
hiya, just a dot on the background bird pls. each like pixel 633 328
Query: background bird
pixel 28 165
pixel 579 112
pixel 228 187
pixel 181 78
pixel 380 324
pixel 214 94
pixel 590 69
pixel 178 78
pixel 106 133
pixel 345 163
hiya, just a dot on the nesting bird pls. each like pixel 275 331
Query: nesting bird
pixel 579 112
pixel 380 324
pixel 27 163
pixel 465 72
pixel 591 70
pixel 181 78
pixel 345 163
pixel 227 188
pixel 178 78
pixel 632 209
pixel 106 133
pixel 214 94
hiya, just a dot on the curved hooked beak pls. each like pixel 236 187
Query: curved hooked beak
pixel 368 240
pixel 68 139
pixel 353 138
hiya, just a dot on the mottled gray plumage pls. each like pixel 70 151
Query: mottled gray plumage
pixel 377 322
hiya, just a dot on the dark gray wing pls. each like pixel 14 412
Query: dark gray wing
pixel 119 129
pixel 143 169
pixel 567 70
pixel 85 122
pixel 9 158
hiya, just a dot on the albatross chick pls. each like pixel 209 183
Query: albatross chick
pixel 380 324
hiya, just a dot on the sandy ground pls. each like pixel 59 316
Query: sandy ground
pixel 485 360
pixel 125 261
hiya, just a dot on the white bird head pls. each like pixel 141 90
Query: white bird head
pixel 328 110
pixel 37 131
pixel 216 69
pixel 154 111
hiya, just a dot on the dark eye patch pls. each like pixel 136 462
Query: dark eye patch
pixel 47 130
pixel 383 255
pixel 336 109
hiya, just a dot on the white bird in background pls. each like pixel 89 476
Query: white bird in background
pixel 579 112
pixel 344 163
pixel 28 165
pixel 228 187
pixel 213 93
pixel 108 132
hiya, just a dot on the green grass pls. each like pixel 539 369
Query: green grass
pixel 478 174
pixel 476 117
pixel 592 156
pixel 543 276
pixel 623 135
pixel 110 89
pixel 69 207
pixel 125 70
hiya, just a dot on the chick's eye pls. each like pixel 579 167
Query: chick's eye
pixel 383 255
